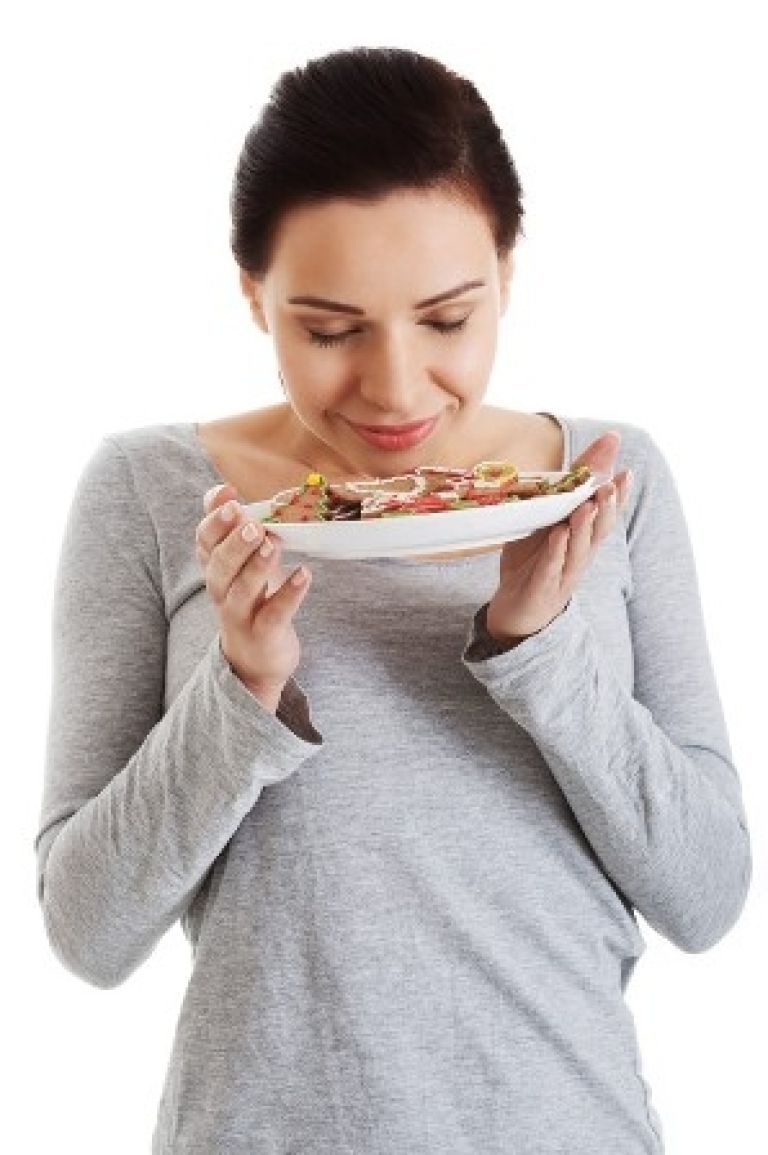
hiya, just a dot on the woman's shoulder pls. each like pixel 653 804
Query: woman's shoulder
pixel 160 462
pixel 639 451
pixel 121 461
pixel 654 500
pixel 146 483
pixel 151 448
pixel 149 475
pixel 634 438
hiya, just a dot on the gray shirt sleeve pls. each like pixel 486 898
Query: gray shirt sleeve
pixel 138 803
pixel 649 775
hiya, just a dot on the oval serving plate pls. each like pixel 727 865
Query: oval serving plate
pixel 441 532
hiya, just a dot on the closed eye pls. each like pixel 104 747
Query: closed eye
pixel 443 327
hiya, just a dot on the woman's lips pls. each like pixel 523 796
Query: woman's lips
pixel 395 436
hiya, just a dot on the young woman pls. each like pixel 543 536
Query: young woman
pixel 406 810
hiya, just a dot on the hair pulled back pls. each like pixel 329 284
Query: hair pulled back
pixel 360 123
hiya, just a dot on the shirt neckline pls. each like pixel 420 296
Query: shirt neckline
pixel 412 563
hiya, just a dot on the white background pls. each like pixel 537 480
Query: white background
pixel 639 136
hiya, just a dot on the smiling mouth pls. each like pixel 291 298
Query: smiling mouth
pixel 396 437
pixel 393 430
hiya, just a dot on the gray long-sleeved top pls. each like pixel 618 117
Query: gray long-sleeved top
pixel 411 896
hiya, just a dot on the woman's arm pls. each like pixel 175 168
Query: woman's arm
pixel 137 804
pixel 649 776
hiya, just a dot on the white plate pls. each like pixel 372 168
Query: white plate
pixel 430 532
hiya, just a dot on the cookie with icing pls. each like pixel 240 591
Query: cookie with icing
pixel 428 489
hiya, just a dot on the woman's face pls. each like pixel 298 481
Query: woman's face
pixel 376 352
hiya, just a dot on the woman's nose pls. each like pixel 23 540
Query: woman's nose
pixel 389 376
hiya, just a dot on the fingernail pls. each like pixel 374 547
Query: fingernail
pixel 209 496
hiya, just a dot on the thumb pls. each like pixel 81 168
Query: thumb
pixel 601 453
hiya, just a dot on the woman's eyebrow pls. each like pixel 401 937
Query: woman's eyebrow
pixel 339 307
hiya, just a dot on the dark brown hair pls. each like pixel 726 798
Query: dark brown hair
pixel 358 124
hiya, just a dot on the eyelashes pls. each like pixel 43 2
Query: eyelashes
pixel 445 328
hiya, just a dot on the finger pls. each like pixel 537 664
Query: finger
pixel 277 609
pixel 579 544
pixel 252 587
pixel 611 498
pixel 214 500
pixel 549 562
pixel 625 485
pixel 606 498
pixel 247 545
pixel 258 579
pixel 217 495
pixel 216 527
pixel 621 483
pixel 600 453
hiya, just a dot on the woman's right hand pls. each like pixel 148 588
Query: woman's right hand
pixel 255 625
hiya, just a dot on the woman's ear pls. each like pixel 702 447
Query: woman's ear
pixel 251 290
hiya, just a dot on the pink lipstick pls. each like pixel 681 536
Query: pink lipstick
pixel 395 436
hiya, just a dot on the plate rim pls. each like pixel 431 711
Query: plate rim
pixel 344 547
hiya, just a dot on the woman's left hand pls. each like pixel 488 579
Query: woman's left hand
pixel 538 573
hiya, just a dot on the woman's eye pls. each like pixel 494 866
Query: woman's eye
pixel 444 327
pixel 329 338
pixel 449 326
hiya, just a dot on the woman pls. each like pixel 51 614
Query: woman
pixel 405 810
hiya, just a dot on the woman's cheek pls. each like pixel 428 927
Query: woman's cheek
pixel 470 358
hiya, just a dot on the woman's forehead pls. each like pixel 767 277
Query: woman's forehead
pixel 432 243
